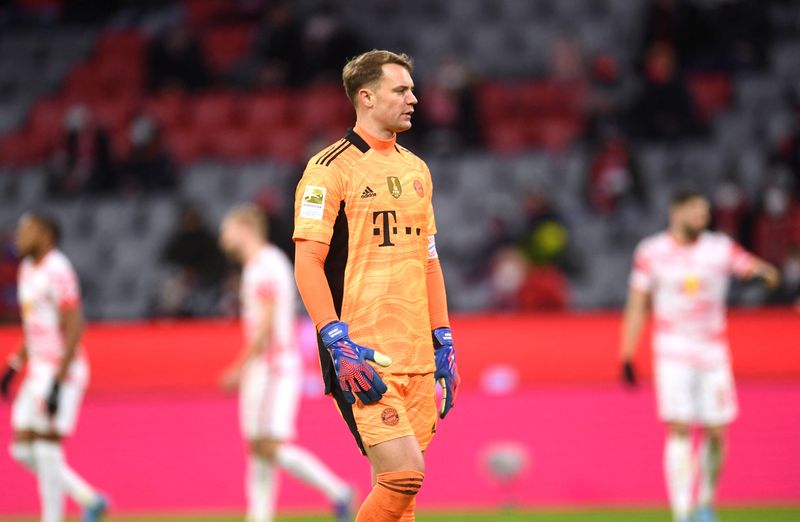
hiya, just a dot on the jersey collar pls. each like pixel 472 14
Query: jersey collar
pixel 382 146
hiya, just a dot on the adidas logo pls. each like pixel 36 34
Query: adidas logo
pixel 368 193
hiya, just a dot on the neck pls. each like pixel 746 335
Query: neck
pixel 41 254
pixel 681 236
pixel 368 130
pixel 251 250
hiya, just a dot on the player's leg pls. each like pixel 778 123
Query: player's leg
pixel 718 409
pixel 675 395
pixel 282 403
pixel 261 481
pixel 399 469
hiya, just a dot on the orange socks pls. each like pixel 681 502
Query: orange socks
pixel 392 498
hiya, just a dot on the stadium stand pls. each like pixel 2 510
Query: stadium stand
pixel 532 95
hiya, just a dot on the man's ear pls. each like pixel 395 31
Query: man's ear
pixel 367 97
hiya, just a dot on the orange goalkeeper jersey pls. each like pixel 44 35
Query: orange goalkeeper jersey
pixel 373 207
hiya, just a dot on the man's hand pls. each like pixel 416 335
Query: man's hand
pixel 6 380
pixel 446 370
pixel 354 374
pixel 768 273
pixel 628 374
pixel 52 398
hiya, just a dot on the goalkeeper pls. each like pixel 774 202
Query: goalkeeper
pixel 369 275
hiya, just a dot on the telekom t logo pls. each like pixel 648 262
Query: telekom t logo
pixel 385 222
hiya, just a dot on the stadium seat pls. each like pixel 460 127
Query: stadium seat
pixel 711 93
pixel 227 45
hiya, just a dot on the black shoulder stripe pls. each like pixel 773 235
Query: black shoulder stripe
pixel 336 155
pixel 356 140
pixel 397 148
pixel 330 151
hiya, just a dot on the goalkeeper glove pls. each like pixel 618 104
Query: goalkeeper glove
pixel 6 380
pixel 52 398
pixel 446 371
pixel 354 374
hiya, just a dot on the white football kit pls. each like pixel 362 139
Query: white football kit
pixel 270 388
pixel 44 290
pixel 688 285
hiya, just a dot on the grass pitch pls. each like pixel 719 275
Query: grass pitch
pixel 751 514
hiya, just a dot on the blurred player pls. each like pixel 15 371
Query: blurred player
pixel 684 272
pixel 46 407
pixel 268 370
pixel 367 269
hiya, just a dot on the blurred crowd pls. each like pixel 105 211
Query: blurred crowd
pixel 527 267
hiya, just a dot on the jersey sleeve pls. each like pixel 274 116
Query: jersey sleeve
pixel 641 277
pixel 741 261
pixel 66 290
pixel 317 200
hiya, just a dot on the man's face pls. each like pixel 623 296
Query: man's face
pixel 28 237
pixel 394 99
pixel 230 234
pixel 693 216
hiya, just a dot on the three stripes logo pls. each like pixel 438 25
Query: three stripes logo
pixel 368 193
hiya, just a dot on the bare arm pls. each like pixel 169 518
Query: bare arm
pixel 254 347
pixel 633 321
pixel 72 325
pixel 765 271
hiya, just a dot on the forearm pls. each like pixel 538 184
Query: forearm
pixel 73 327
pixel 632 324
pixel 312 283
pixel 437 295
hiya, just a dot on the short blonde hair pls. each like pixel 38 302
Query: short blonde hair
pixel 251 216
pixel 367 68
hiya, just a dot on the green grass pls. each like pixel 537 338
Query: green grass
pixel 760 514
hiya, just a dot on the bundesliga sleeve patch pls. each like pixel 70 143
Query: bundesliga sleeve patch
pixel 313 203
pixel 432 254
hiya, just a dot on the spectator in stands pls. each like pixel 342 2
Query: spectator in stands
pixel 278 58
pixel 609 93
pixel 790 278
pixel 664 109
pixel 777 225
pixel 175 61
pixel 327 45
pixel 613 179
pixel 149 166
pixel 450 111
pixel 731 210
pixel 198 267
pixel 9 311
pixel 84 160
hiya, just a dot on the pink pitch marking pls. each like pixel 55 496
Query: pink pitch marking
pixel 588 446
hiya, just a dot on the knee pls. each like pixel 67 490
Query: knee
pixel 266 449
pixel 406 483
pixel 715 436
pixel 679 430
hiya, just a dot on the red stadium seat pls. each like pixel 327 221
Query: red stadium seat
pixel 185 145
pixel 168 109
pixel 288 145
pixel 508 136
pixel 323 107
pixel 202 13
pixel 212 112
pixel 711 93
pixel 266 111
pixel 46 120
pixel 237 144
pixel 227 45
pixel 121 46
pixel 497 101
pixel 557 133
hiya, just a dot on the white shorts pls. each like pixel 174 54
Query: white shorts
pixel 29 412
pixel 688 394
pixel 269 397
